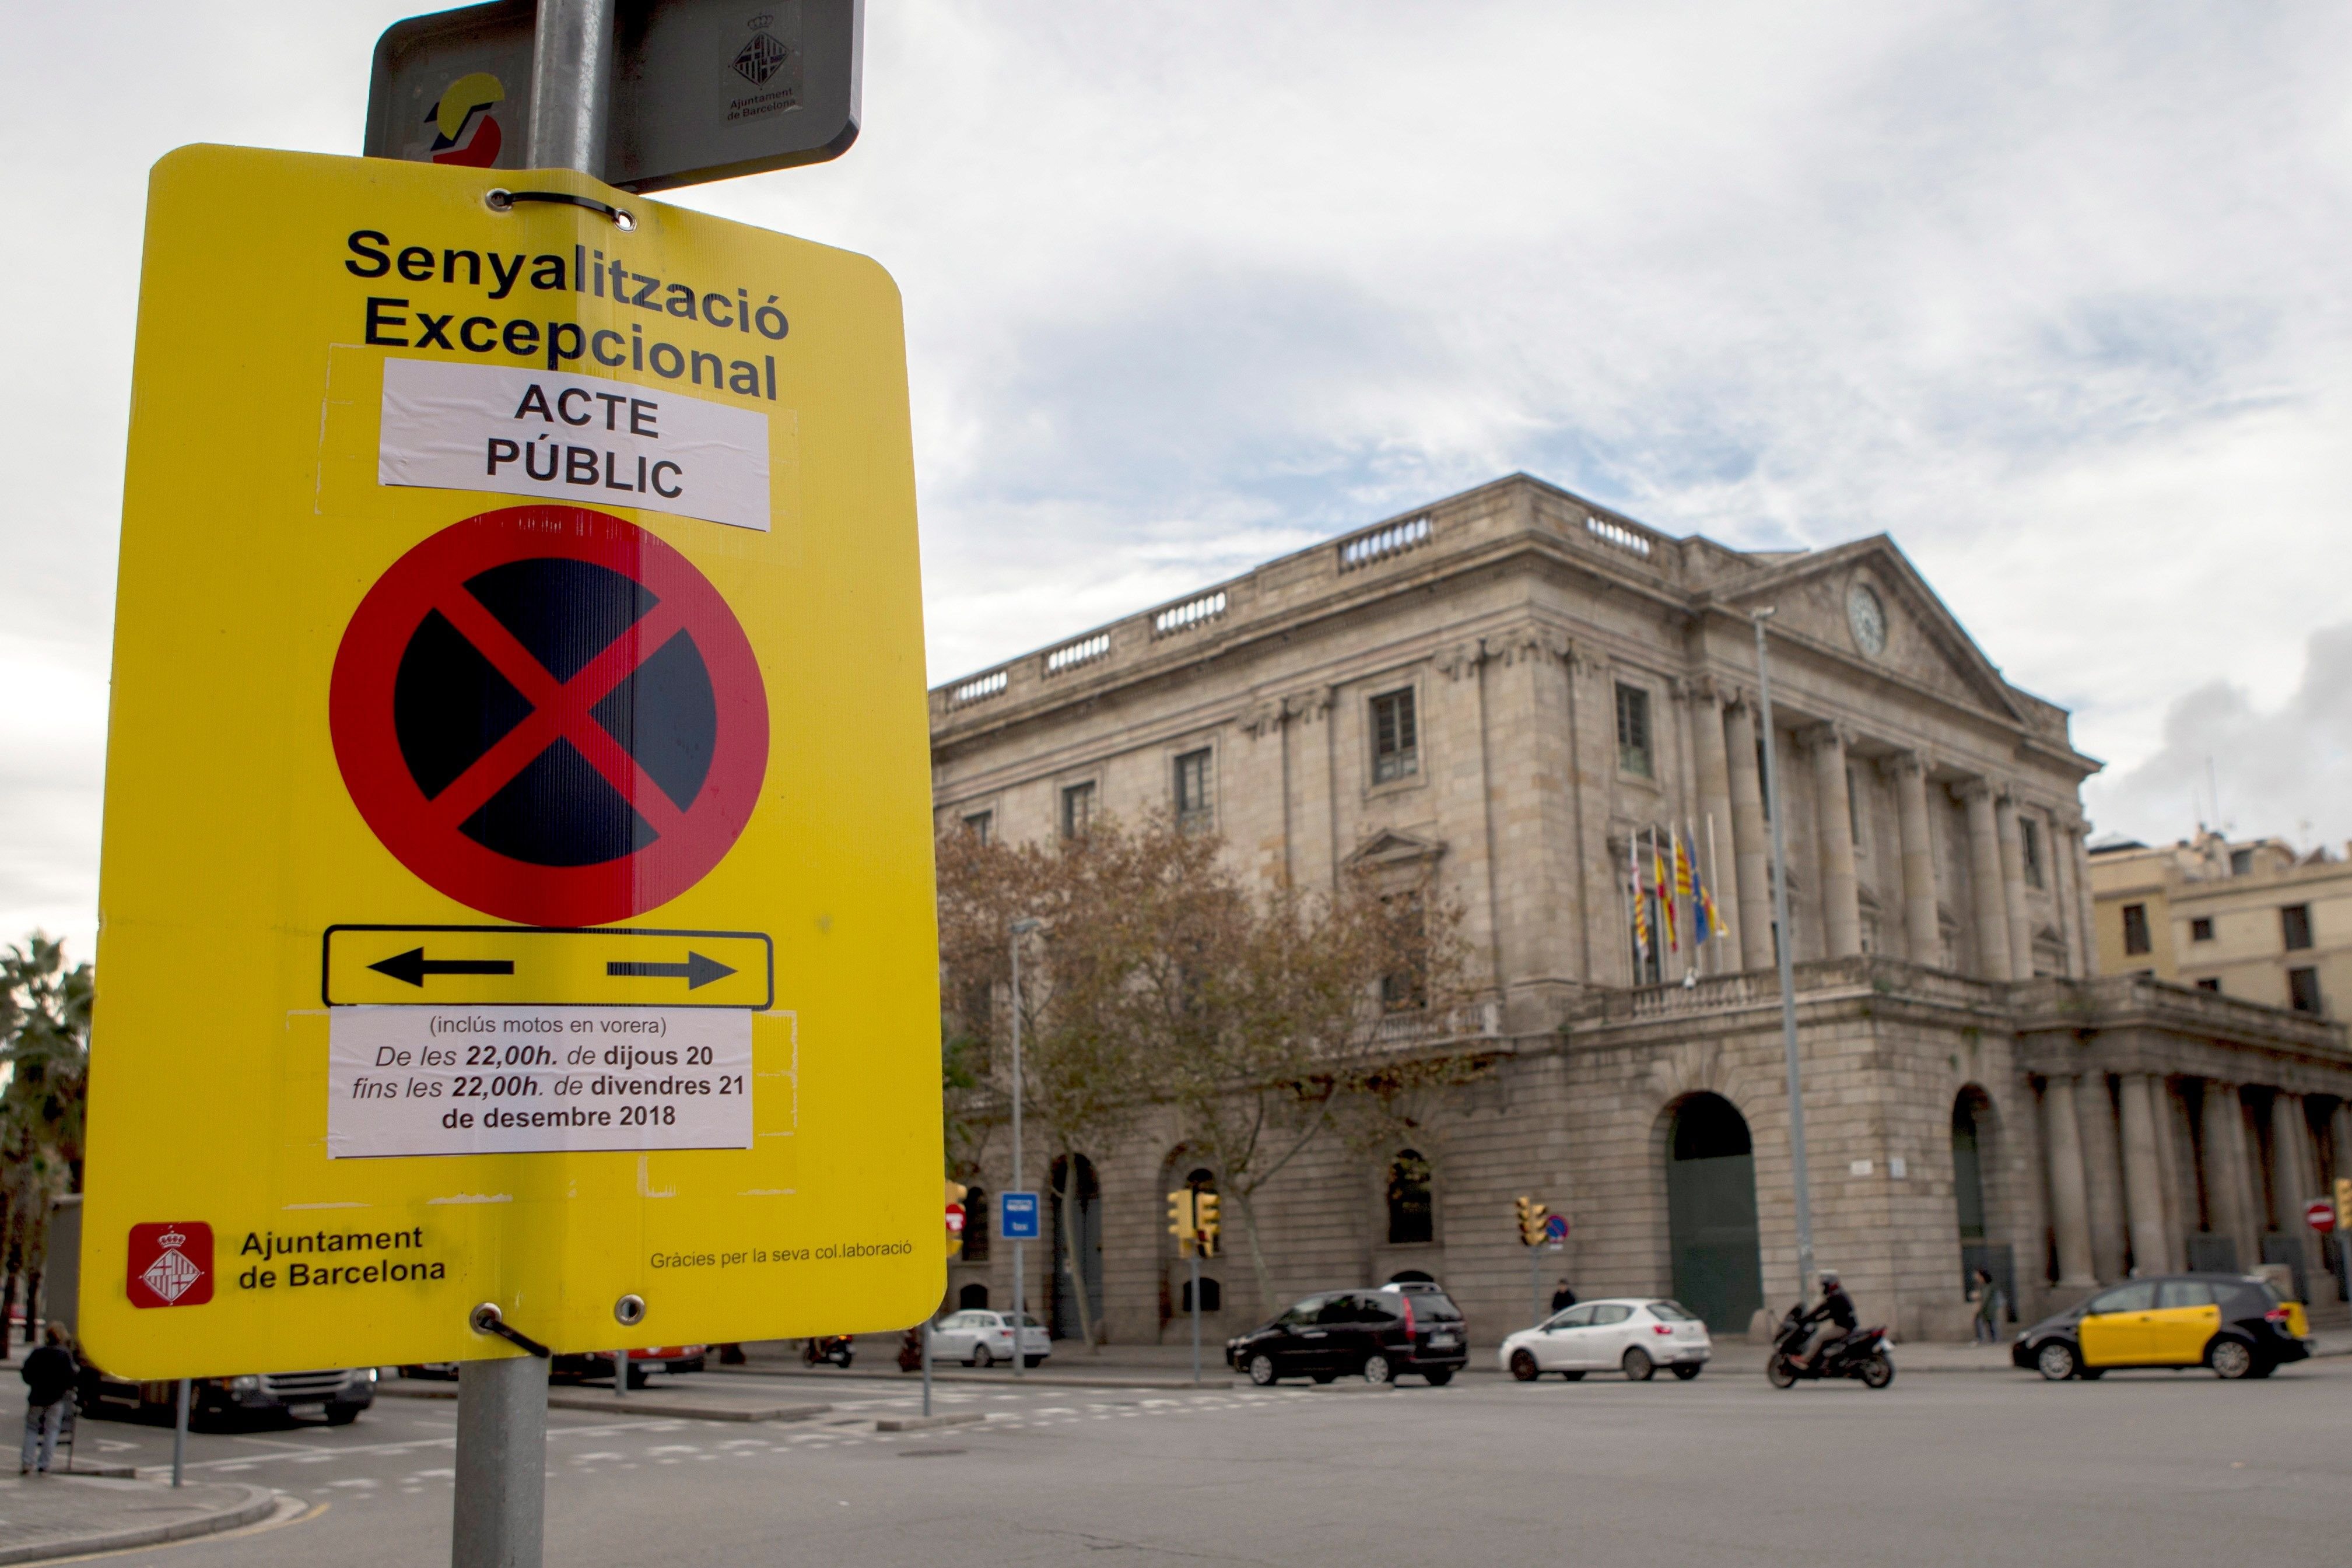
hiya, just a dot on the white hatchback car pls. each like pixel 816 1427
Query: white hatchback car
pixel 1632 1334
pixel 983 1339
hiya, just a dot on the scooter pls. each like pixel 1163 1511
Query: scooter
pixel 835 1348
pixel 1864 1355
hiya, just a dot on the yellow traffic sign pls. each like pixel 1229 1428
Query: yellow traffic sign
pixel 516 883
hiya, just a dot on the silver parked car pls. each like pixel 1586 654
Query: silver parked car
pixel 983 1339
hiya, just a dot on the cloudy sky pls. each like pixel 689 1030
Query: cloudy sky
pixel 2057 295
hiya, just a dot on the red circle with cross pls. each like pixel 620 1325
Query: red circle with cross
pixel 551 716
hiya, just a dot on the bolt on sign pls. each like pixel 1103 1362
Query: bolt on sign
pixel 518 882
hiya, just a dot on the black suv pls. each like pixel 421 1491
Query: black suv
pixel 1374 1334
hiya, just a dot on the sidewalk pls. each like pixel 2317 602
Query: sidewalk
pixel 67 1516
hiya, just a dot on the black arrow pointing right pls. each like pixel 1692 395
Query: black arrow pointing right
pixel 413 965
pixel 696 971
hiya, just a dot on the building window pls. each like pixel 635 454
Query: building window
pixel 2303 990
pixel 1212 1297
pixel 975 1226
pixel 2241 863
pixel 1633 730
pixel 2134 927
pixel 1077 810
pixel 2213 985
pixel 972 1297
pixel 2201 929
pixel 2029 835
pixel 1195 785
pixel 1412 1217
pixel 2294 925
pixel 1405 988
pixel 1396 740
pixel 982 825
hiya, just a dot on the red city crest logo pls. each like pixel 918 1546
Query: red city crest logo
pixel 171 1264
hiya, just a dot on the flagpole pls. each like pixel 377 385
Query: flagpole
pixel 1714 876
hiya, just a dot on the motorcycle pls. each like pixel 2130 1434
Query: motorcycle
pixel 910 1350
pixel 1864 1355
pixel 835 1348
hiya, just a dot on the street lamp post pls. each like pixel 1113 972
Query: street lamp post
pixel 1782 942
pixel 1021 928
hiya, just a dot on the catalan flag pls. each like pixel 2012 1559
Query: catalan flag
pixel 1640 913
pixel 1666 900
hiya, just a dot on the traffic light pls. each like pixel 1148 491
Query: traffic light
pixel 2343 1210
pixel 1531 1220
pixel 1181 1221
pixel 953 1211
pixel 1206 1221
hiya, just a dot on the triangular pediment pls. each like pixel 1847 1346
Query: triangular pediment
pixel 1831 598
pixel 1387 846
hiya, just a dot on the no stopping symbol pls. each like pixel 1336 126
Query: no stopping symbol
pixel 551 716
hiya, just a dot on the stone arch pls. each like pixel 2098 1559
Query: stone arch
pixel 1076 1199
pixel 1713 1239
pixel 1410 1190
pixel 1979 1215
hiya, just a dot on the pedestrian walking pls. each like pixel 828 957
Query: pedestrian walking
pixel 1988 1308
pixel 49 1373
pixel 1562 1298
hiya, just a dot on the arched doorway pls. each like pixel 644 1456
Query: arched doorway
pixel 1972 1150
pixel 1711 1213
pixel 1078 1232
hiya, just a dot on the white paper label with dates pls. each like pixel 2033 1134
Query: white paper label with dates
pixel 536 1080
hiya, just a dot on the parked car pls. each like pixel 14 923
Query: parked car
pixel 593 1365
pixel 338 1395
pixel 1374 1334
pixel 2235 1324
pixel 983 1339
pixel 1632 1334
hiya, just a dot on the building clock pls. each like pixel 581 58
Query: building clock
pixel 1867 616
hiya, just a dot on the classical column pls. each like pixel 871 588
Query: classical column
pixel 2081 863
pixel 1834 835
pixel 1714 826
pixel 2294 1173
pixel 1751 838
pixel 1922 929
pixel 1985 882
pixel 2144 1175
pixel 2012 887
pixel 2228 1173
pixel 2070 1197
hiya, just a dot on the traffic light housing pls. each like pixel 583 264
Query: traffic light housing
pixel 1205 1224
pixel 1531 1215
pixel 1182 1222
pixel 2343 1210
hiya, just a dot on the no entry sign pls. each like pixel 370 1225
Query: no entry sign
pixel 551 716
pixel 510 895
pixel 2320 1214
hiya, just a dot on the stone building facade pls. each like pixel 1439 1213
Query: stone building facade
pixel 2254 918
pixel 1514 692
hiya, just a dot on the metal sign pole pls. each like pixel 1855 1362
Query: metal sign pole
pixel 1534 1285
pixel 499 1515
pixel 1784 943
pixel 1019 1313
pixel 926 1360
pixel 1196 1312
pixel 180 1437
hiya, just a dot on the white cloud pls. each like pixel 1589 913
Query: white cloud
pixel 2056 295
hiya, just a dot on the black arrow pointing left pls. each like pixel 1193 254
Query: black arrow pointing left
pixel 413 965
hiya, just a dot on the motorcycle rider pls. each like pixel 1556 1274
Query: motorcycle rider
pixel 1837 1307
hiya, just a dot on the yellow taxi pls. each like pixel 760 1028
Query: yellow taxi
pixel 2235 1324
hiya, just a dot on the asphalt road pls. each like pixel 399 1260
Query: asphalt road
pixel 2149 1468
